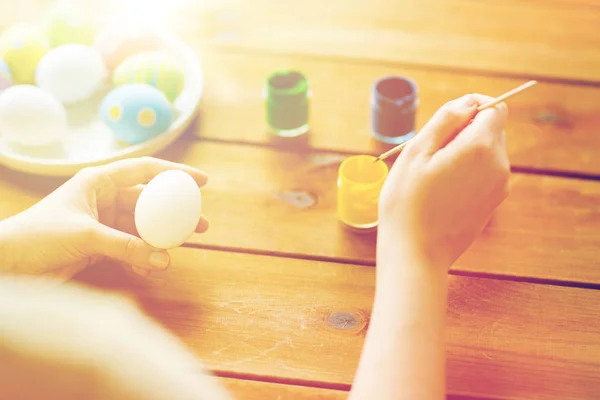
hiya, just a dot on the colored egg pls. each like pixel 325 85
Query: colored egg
pixel 168 209
pixel 71 72
pixel 136 112
pixel 29 116
pixel 5 75
pixel 119 41
pixel 154 69
pixel 66 24
pixel 22 46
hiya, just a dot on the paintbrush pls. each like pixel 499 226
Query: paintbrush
pixel 492 103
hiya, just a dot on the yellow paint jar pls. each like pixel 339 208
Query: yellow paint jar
pixel 359 184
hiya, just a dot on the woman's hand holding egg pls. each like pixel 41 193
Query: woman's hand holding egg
pixel 92 216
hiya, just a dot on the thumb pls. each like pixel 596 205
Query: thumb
pixel 128 249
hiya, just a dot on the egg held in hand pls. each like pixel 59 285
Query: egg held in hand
pixel 22 46
pixel 136 113
pixel 71 72
pixel 168 209
pixel 30 116
pixel 154 69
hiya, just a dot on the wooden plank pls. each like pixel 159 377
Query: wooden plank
pixel 557 39
pixel 260 199
pixel 275 319
pixel 252 390
pixel 551 127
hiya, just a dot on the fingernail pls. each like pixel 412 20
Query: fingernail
pixel 159 260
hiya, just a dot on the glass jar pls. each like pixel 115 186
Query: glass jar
pixel 394 102
pixel 360 180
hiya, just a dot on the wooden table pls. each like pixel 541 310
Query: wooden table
pixel 276 297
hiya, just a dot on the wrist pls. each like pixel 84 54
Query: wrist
pixel 400 261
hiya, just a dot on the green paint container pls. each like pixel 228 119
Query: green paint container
pixel 287 103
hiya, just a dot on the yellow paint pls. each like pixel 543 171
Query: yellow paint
pixel 22 46
pixel 114 112
pixel 359 184
pixel 146 117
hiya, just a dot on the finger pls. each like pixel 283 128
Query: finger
pixel 128 197
pixel 203 225
pixel 450 119
pixel 487 125
pixel 128 248
pixel 135 171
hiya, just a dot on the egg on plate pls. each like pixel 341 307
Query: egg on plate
pixel 153 68
pixel 71 72
pixel 29 116
pixel 136 112
pixel 22 46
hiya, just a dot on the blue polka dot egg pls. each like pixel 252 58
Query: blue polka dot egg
pixel 136 112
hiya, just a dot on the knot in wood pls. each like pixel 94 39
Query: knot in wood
pixel 549 117
pixel 300 199
pixel 345 320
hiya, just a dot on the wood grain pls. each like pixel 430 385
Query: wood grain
pixel 298 321
pixel 556 39
pixel 550 127
pixel 252 390
pixel 270 201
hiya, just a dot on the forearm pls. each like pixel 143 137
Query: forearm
pixel 404 355
pixel 71 343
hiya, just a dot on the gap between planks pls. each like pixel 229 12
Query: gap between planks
pixel 339 260
pixel 343 389
pixel 238 49
pixel 188 136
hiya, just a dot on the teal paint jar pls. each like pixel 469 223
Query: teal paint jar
pixel 287 98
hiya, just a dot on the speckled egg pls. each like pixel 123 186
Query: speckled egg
pixel 71 72
pixel 153 68
pixel 118 41
pixel 136 112
pixel 5 75
pixel 65 23
pixel 22 46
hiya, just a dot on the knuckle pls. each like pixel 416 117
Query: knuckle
pixel 87 172
pixel 411 150
pixel 130 248
pixel 88 233
pixel 449 113
pixel 503 109
pixel 482 149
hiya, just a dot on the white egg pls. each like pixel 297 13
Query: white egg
pixel 31 117
pixel 71 72
pixel 168 209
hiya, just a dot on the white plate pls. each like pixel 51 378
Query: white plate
pixel 91 143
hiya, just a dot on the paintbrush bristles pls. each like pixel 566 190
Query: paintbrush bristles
pixel 492 103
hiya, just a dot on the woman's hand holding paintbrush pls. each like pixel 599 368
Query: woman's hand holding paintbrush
pixel 481 107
